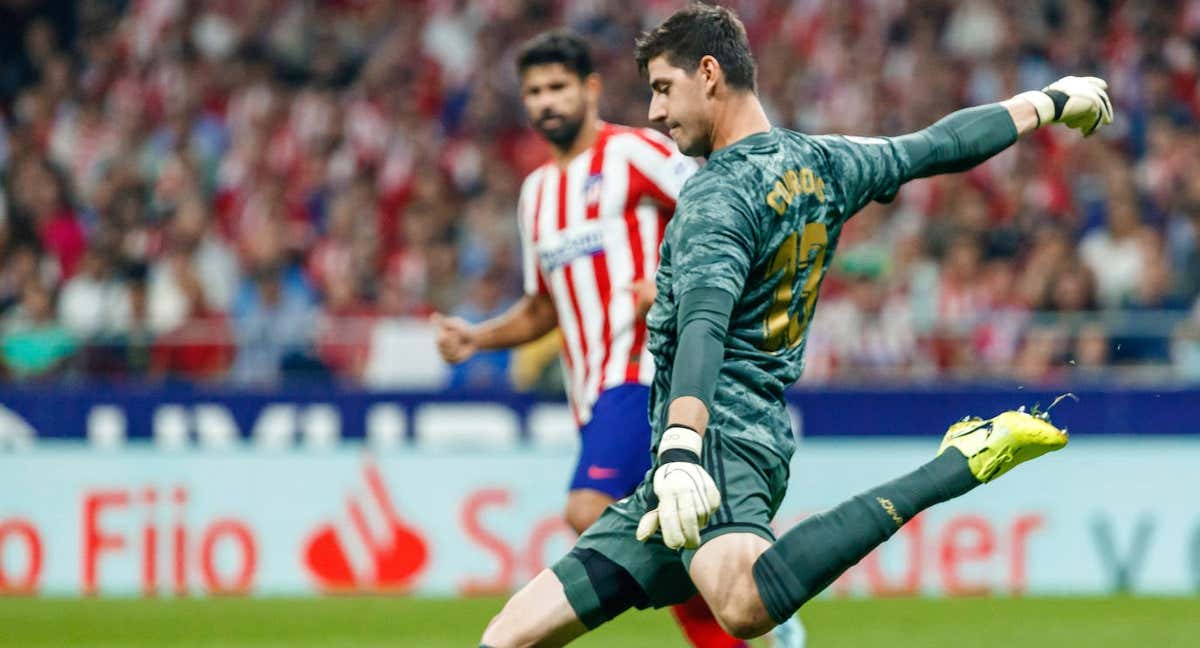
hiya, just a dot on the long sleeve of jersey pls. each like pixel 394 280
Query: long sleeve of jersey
pixel 958 141
pixel 708 252
pixel 702 322
pixel 873 168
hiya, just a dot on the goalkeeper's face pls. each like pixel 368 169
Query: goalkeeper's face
pixel 683 103
pixel 558 101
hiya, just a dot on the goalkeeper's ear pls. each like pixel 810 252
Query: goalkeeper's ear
pixel 709 73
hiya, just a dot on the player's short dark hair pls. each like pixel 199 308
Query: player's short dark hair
pixel 697 31
pixel 556 46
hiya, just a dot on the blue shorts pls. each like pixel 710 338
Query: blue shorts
pixel 615 453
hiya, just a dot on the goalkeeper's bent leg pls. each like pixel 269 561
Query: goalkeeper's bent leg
pixel 537 615
pixel 815 552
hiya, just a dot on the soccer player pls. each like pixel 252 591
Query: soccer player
pixel 742 261
pixel 592 221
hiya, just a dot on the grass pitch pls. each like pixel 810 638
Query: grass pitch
pixel 438 623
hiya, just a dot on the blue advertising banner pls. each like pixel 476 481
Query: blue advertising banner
pixel 181 416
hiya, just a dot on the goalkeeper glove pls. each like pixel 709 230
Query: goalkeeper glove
pixel 1078 102
pixel 686 493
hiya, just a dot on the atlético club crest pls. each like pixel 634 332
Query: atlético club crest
pixel 591 189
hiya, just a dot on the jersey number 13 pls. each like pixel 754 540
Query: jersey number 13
pixel 784 324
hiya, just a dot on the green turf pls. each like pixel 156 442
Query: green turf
pixel 427 623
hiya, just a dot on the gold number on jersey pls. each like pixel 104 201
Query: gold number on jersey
pixel 781 327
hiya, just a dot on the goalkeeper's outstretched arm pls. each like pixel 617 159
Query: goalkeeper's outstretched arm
pixel 967 137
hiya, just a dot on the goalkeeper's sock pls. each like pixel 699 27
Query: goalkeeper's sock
pixel 815 552
pixel 701 627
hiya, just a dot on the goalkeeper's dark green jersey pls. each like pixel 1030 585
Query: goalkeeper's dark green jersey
pixel 761 221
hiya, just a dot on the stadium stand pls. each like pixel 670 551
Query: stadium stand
pixel 259 192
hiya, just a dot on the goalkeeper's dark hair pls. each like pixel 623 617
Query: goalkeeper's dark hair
pixel 556 46
pixel 697 31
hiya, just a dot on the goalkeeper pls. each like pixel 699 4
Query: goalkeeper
pixel 742 263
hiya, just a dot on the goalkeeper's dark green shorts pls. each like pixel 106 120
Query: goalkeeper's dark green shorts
pixel 609 570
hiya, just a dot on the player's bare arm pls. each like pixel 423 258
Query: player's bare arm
pixel 527 320
pixel 644 293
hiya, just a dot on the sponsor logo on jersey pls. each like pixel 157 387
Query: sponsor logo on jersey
pixel 581 241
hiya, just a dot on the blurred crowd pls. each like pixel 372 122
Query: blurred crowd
pixel 251 191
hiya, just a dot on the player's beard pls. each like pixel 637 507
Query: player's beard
pixel 563 135
pixel 697 147
pixel 691 142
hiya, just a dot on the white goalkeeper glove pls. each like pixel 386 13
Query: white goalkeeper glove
pixel 686 493
pixel 1078 102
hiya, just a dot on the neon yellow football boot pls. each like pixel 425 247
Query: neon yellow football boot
pixel 995 446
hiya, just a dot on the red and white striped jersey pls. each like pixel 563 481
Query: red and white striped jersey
pixel 588 233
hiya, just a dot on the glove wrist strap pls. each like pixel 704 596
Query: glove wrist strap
pixel 679 443
pixel 1043 104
